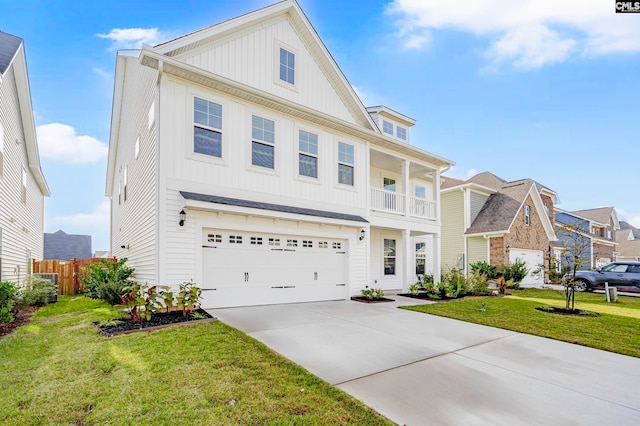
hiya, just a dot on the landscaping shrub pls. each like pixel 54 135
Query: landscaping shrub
pixel 37 291
pixel 372 293
pixel 490 271
pixel 107 280
pixel 478 283
pixel 453 284
pixel 8 294
pixel 516 271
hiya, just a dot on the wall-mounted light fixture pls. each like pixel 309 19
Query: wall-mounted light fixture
pixel 183 217
pixel 363 234
pixel 508 248
pixel 125 246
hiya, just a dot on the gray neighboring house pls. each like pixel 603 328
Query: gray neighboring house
pixel 63 246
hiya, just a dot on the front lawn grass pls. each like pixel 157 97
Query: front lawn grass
pixel 59 370
pixel 615 330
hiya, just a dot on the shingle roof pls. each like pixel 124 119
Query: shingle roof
pixel 9 45
pixel 600 215
pixel 487 179
pixel 268 206
pixel 496 215
pixel 625 225
pixel 627 247
pixel 63 246
pixel 449 182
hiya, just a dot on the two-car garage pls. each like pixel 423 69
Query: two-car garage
pixel 241 268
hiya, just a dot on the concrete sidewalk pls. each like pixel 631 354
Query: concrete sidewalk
pixel 421 369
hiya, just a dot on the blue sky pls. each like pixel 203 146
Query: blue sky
pixel 546 90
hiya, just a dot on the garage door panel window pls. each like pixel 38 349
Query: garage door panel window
pixel 214 238
pixel 256 241
pixel 235 239
pixel 389 257
pixel 274 242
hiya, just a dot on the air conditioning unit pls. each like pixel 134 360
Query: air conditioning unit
pixel 54 279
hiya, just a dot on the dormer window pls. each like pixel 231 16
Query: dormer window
pixel 401 133
pixel 287 66
pixel 387 127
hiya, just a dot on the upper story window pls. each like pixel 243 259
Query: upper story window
pixel 124 184
pixel 24 186
pixel 137 148
pixel 345 163
pixel 527 215
pixel 609 234
pixel 263 143
pixel 207 129
pixel 287 66
pixel 387 127
pixel 308 155
pixel 420 192
pixel 401 133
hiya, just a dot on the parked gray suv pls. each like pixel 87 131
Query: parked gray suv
pixel 624 275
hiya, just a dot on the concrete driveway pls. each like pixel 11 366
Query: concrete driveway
pixel 421 369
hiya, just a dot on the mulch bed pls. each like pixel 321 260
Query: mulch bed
pixel 363 299
pixel 425 296
pixel 21 318
pixel 569 312
pixel 157 322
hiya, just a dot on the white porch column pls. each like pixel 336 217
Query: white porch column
pixel 406 183
pixel 407 261
pixel 436 258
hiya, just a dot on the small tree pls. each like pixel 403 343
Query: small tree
pixel 574 247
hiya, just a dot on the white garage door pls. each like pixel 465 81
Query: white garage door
pixel 242 269
pixel 533 259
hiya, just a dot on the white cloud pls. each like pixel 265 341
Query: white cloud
pixel 528 33
pixel 60 142
pixel 633 219
pixel 132 38
pixel 102 73
pixel 99 218
pixel 462 175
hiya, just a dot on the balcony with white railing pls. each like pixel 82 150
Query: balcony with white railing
pixel 387 201
pixel 420 207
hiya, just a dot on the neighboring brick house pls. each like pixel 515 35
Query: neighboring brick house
pixel 486 218
pixel 599 226
pixel 628 239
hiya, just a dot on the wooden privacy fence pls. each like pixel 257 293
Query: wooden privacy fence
pixel 69 272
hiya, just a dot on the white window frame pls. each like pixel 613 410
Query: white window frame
pixel 124 183
pixel 398 129
pixel 262 142
pixel 415 191
pixel 385 130
pixel 345 162
pixel 206 127
pixel 419 256
pixel 527 215
pixel 394 257
pixel 301 152
pixel 277 45
pixel 24 186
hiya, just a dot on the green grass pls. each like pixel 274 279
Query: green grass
pixel 616 330
pixel 59 370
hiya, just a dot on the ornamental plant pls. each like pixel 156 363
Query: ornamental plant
pixel 372 293
pixel 189 297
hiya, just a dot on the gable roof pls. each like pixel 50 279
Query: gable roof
pixel 627 226
pixel 291 9
pixel 501 208
pixel 602 215
pixel 9 45
pixel 12 55
pixel 63 246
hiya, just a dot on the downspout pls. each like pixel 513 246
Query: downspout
pixel 158 166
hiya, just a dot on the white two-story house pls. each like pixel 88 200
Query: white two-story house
pixel 241 157
pixel 22 184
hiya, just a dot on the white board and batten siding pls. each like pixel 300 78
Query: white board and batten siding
pixel 250 58
pixel 234 176
pixel 134 220
pixel 21 224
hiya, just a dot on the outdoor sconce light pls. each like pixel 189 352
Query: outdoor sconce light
pixel 508 248
pixel 183 217
pixel 362 234
pixel 126 247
